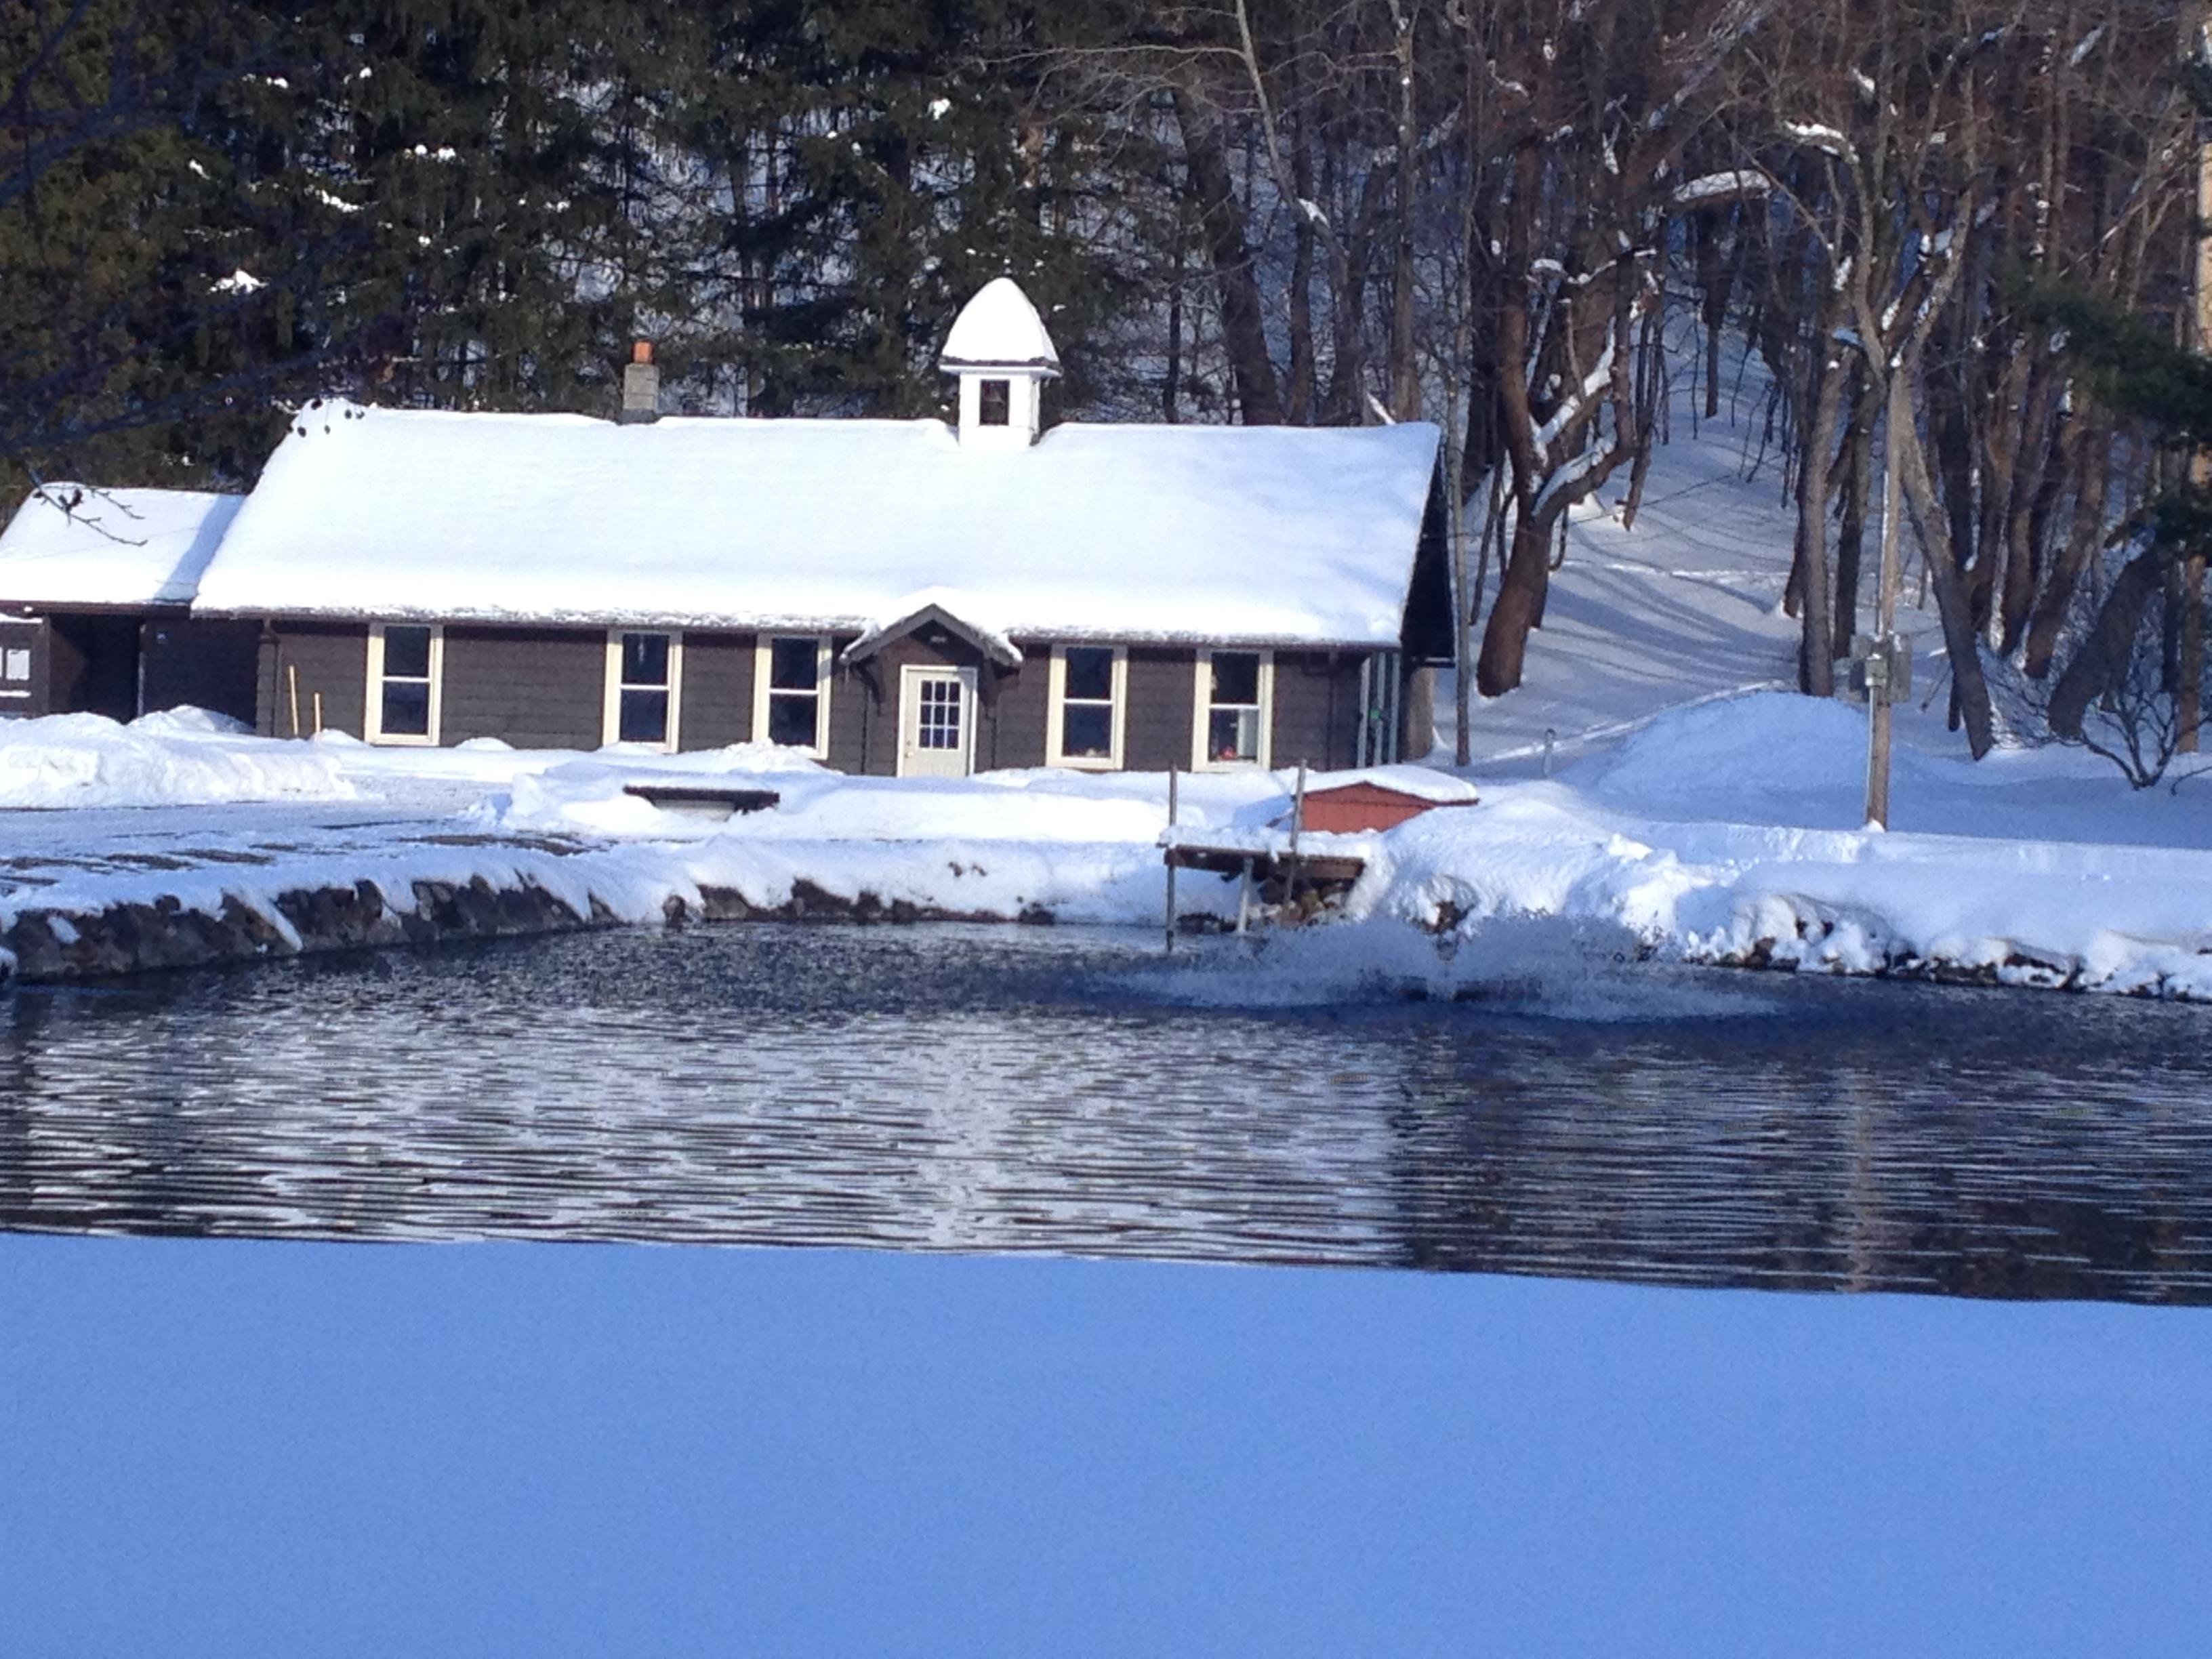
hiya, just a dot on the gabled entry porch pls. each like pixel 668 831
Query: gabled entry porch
pixel 934 679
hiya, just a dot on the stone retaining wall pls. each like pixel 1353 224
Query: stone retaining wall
pixel 136 937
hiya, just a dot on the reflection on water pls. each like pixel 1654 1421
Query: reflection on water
pixel 1066 1091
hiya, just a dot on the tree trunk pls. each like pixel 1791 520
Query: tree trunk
pixel 1816 664
pixel 1519 606
pixel 2087 535
pixel 1405 369
pixel 1970 689
pixel 1244 327
pixel 2102 661
pixel 1856 482
pixel 1302 275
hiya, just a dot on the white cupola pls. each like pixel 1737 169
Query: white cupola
pixel 1000 349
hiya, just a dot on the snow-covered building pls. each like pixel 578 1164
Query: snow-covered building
pixel 95 594
pixel 895 596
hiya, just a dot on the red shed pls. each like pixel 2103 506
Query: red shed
pixel 1365 803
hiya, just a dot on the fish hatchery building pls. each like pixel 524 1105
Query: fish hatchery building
pixel 892 596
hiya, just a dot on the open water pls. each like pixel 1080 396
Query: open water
pixel 1066 1091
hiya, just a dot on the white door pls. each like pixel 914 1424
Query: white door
pixel 937 722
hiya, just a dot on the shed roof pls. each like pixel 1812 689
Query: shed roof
pixel 73 544
pixel 1252 534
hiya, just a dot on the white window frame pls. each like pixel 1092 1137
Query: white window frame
pixel 22 642
pixel 763 660
pixel 1056 708
pixel 610 707
pixel 372 713
pixel 1202 710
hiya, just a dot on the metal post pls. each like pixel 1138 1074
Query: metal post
pixel 1297 827
pixel 1170 926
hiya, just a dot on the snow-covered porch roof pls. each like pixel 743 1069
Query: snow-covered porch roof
pixel 932 611
pixel 1261 535
pixel 73 544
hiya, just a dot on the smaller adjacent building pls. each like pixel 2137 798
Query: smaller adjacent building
pixel 891 595
pixel 96 588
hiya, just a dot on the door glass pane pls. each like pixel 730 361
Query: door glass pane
pixel 939 714
pixel 1090 673
pixel 1236 676
pixel 407 652
pixel 1087 731
pixel 792 664
pixel 407 708
pixel 645 660
pixel 791 718
pixel 644 716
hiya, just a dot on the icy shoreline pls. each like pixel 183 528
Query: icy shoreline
pixel 1689 843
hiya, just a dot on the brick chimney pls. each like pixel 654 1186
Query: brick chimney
pixel 641 386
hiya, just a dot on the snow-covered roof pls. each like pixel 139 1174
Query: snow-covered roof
pixel 1421 782
pixel 1254 534
pixel 73 544
pixel 999 329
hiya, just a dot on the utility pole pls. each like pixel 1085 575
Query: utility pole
pixel 1884 661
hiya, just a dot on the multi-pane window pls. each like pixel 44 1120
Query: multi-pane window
pixel 1234 714
pixel 938 719
pixel 642 689
pixel 995 405
pixel 403 682
pixel 1085 705
pixel 792 706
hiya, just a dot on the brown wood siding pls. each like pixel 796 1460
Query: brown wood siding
pixel 332 657
pixel 1316 709
pixel 1025 700
pixel 718 690
pixel 1157 735
pixel 853 721
pixel 203 665
pixel 536 687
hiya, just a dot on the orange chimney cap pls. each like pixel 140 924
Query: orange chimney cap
pixel 641 352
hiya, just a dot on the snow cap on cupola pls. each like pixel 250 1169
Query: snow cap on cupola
pixel 1000 349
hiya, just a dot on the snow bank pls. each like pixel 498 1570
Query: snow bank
pixel 585 795
pixel 1725 833
pixel 183 757
pixel 2069 915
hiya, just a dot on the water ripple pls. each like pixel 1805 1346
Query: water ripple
pixel 1062 1092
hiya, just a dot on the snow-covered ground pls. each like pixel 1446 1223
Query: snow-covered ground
pixel 1725 831
pixel 231 1447
pixel 1684 808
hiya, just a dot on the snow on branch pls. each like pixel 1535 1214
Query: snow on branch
pixel 1734 186
pixel 1568 477
pixel 1570 411
pixel 1825 138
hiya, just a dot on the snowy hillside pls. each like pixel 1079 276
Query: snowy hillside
pixel 1684 607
